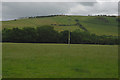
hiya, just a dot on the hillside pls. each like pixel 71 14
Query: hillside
pixel 94 24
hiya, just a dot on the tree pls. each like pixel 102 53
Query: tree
pixel 47 34
pixel 64 36
pixel 30 34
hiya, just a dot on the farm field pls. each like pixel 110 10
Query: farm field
pixel 94 24
pixel 35 60
pixel 0 61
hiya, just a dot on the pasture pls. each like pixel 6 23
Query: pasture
pixel 94 24
pixel 0 60
pixel 35 60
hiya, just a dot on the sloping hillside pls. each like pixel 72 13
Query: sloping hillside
pixel 95 24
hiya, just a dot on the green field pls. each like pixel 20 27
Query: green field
pixel 94 24
pixel 0 60
pixel 36 60
pixel 31 60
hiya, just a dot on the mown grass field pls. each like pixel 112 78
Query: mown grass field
pixel 34 60
pixel 94 24
pixel 0 60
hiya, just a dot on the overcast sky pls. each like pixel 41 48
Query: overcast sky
pixel 12 9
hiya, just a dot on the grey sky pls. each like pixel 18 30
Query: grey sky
pixel 60 0
pixel 11 10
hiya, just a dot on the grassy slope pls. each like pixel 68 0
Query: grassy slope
pixel 93 24
pixel 59 61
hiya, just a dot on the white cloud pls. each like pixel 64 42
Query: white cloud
pixel 109 8
pixel 107 0
pixel 77 10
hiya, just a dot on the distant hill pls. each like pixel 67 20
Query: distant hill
pixel 100 25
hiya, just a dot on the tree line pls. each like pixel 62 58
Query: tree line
pixel 47 34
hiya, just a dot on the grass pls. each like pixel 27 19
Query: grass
pixel 62 28
pixel 0 61
pixel 92 23
pixel 27 60
pixel 102 29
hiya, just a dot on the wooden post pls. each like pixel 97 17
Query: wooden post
pixel 69 36
pixel 69 39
